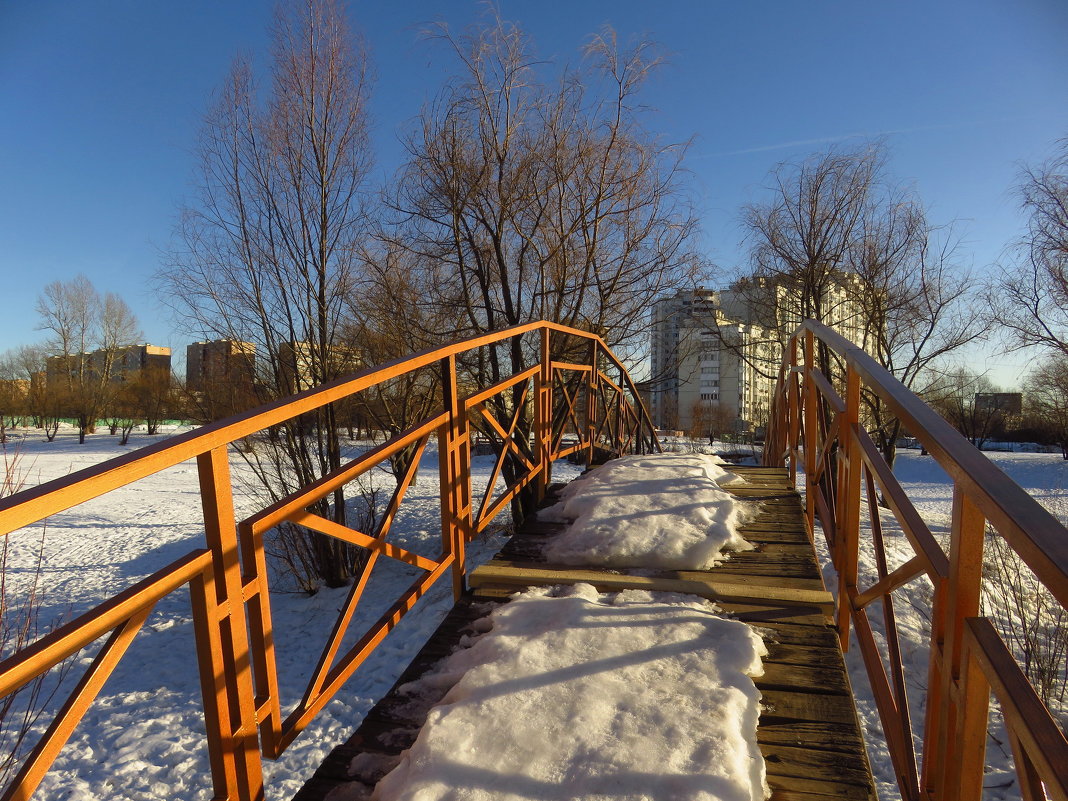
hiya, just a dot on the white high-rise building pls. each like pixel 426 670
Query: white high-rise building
pixel 707 364
pixel 715 353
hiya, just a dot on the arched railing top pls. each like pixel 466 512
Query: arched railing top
pixel 46 499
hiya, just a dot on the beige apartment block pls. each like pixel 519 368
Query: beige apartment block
pixel 297 360
pixel 129 363
pixel 220 361
pixel 120 365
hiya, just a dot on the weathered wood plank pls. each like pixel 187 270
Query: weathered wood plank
pixel 811 763
pixel 810 734
pixel 785 631
pixel 802 678
pixel 791 654
pixel 794 795
pixel 784 786
pixel 772 534
pixel 794 705
pixel 813 585
pixel 804 618
pixel 705 585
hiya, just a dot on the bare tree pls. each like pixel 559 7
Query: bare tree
pixel 971 403
pixel 1046 391
pixel 1029 618
pixel 527 199
pixel 267 252
pixel 840 244
pixel 27 364
pixel 388 320
pixel 20 626
pixel 1031 300
pixel 802 236
pixel 79 321
pixel 70 311
pixel 915 307
pixel 14 394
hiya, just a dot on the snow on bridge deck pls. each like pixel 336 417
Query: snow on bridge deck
pixel 807 730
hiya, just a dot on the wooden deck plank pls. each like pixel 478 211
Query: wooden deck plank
pixel 801 678
pixel 785 787
pixel 810 734
pixel 740 588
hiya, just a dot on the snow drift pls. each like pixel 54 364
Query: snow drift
pixel 664 511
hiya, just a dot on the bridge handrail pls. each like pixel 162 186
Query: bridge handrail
pixel 814 421
pixel 231 607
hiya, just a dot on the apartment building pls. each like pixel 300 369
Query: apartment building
pixel 714 353
pixel 297 361
pixel 220 361
pixel 707 364
pixel 121 365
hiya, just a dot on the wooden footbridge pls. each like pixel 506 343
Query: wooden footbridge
pixel 569 396
pixel 808 731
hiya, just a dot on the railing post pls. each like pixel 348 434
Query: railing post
pixel 454 465
pixel 810 403
pixel 591 403
pixel 229 699
pixel 792 427
pixel 847 515
pixel 947 765
pixel 973 720
pixel 543 416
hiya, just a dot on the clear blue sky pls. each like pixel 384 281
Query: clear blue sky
pixel 100 104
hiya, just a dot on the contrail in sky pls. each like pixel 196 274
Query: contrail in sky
pixel 842 137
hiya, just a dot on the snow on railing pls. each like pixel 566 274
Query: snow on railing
pixel 818 425
pixel 552 409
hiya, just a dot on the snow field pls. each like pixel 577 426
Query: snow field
pixel 665 511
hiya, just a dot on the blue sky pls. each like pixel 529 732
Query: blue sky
pixel 100 104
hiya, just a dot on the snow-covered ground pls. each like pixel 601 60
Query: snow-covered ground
pixel 143 737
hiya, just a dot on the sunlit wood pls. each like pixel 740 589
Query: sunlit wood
pixel 967 657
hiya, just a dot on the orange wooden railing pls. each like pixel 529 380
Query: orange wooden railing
pixel 817 425
pixel 590 405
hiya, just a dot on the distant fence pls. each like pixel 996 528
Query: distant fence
pixel 562 405
pixel 817 424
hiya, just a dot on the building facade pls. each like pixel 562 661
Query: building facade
pixel 708 365
pixel 221 361
pixel 714 354
pixel 121 365
pixel 297 361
